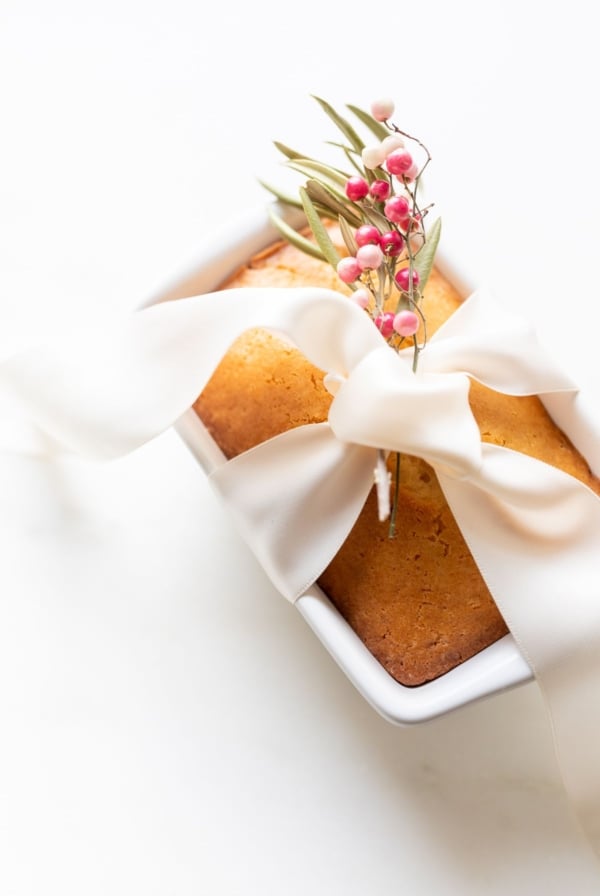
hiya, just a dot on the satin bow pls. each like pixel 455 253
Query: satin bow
pixel 296 497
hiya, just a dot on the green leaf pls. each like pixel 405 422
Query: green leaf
pixel 320 233
pixel 339 145
pixel 344 126
pixel 326 193
pixel 376 127
pixel 425 255
pixel 347 235
pixel 286 198
pixel 309 167
pixel 322 194
pixel 351 156
pixel 359 168
pixel 377 218
pixel 287 151
pixel 295 238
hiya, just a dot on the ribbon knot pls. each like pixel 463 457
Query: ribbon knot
pixel 384 404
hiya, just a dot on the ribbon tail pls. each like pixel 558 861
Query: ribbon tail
pixel 534 532
pixel 295 499
pixel 105 390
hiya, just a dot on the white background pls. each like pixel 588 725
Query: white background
pixel 168 725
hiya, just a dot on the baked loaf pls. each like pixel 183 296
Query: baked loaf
pixel 417 601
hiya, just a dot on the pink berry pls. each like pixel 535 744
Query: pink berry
pixel 406 323
pixel 385 323
pixel 382 109
pixel 369 257
pixel 403 278
pixel 396 208
pixel 349 269
pixel 362 297
pixel 410 223
pixel 380 190
pixel 391 243
pixel 415 221
pixel 356 188
pixel 367 234
pixel 399 161
pixel 412 173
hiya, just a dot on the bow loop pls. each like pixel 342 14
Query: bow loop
pixel 495 346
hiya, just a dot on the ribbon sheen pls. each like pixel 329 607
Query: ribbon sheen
pixel 533 530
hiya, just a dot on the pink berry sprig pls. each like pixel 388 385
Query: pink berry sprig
pixel 377 206
pixel 384 250
pixel 389 253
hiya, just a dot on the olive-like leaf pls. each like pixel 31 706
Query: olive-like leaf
pixel 286 198
pixel 339 145
pixel 351 156
pixel 344 126
pixel 377 218
pixel 295 238
pixel 319 231
pixel 360 171
pixel 328 190
pixel 287 151
pixel 309 167
pixel 347 235
pixel 321 193
pixel 425 256
pixel 376 127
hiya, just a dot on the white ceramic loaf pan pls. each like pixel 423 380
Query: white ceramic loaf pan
pixel 491 671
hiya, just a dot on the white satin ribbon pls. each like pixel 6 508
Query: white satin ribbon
pixel 533 530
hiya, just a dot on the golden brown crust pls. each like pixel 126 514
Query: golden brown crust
pixel 417 601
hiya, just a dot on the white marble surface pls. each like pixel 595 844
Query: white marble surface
pixel 167 724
